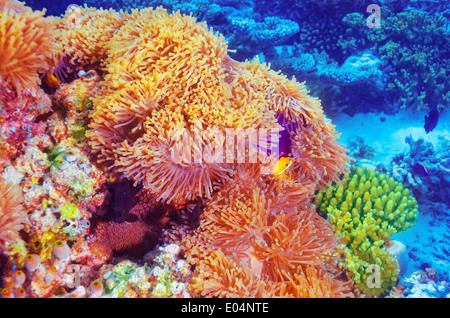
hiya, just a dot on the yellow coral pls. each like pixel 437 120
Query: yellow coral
pixel 365 211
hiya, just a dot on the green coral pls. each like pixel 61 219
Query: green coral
pixel 414 47
pixel 365 211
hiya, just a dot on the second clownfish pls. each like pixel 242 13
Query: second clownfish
pixel 52 81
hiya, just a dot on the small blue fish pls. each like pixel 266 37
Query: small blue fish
pixel 419 169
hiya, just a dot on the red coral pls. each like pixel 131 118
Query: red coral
pixel 135 237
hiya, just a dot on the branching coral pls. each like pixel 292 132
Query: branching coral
pixel 414 47
pixel 12 217
pixel 365 211
pixel 25 44
pixel 178 87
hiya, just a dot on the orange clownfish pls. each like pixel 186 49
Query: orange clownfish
pixel 280 167
pixel 52 81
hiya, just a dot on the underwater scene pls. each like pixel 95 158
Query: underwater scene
pixel 224 149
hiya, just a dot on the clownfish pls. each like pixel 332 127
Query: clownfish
pixel 280 167
pixel 52 81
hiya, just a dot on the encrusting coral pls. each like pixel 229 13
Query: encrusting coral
pixel 365 211
pixel 26 44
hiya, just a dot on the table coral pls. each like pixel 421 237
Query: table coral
pixel 365 211
pixel 19 119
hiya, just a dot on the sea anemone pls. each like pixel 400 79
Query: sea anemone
pixel 84 45
pixel 182 81
pixel 12 217
pixel 317 155
pixel 25 44
pixel 243 238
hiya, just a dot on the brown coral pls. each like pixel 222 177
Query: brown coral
pixel 25 44
pixel 12 217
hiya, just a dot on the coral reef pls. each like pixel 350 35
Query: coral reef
pixel 359 76
pixel 413 46
pixel 422 285
pixel 366 210
pixel 434 186
pixel 94 151
pixel 19 119
pixel 358 149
